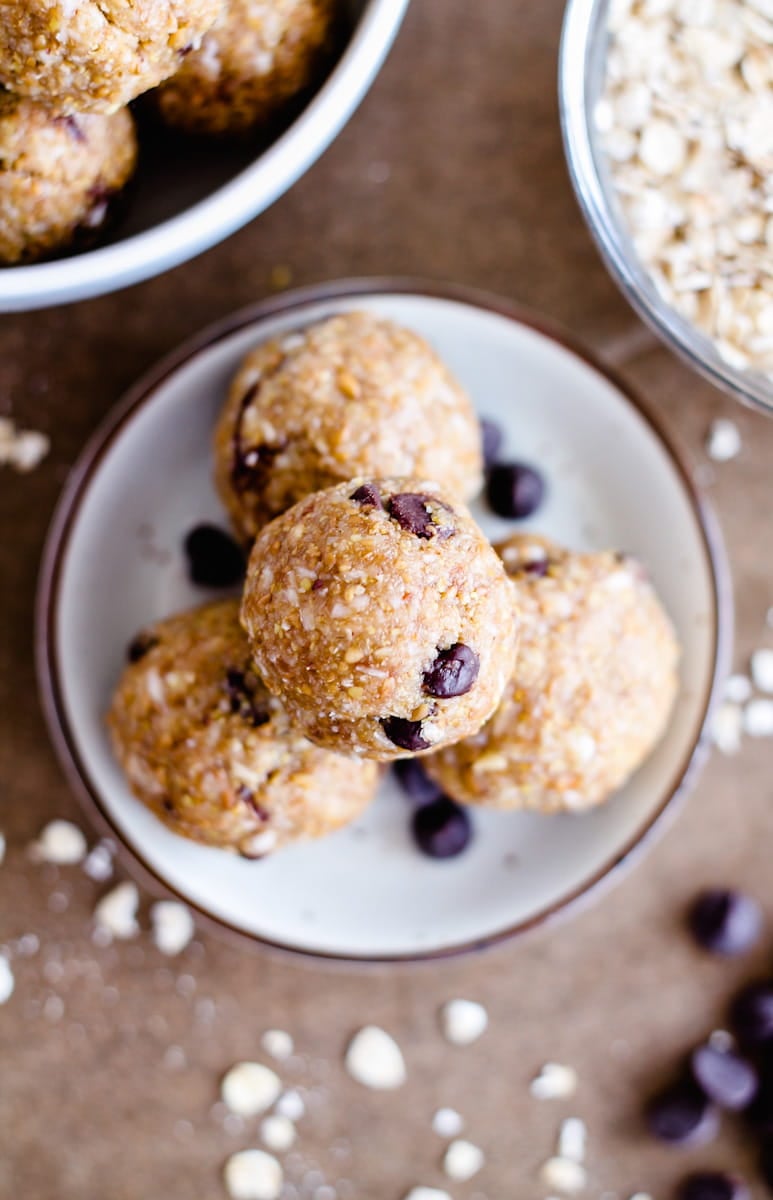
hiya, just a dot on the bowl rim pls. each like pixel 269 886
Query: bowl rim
pixel 67 510
pixel 202 225
pixel 751 389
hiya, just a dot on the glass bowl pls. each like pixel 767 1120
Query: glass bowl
pixel 581 80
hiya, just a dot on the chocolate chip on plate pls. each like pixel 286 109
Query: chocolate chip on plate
pixel 453 672
pixel 514 490
pixel 442 829
pixel 139 646
pixel 751 1014
pixel 682 1114
pixel 214 558
pixel 712 1185
pixel 415 781
pixel 491 438
pixel 369 495
pixel 404 733
pixel 725 922
pixel 724 1077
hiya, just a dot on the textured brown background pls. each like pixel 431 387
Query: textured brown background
pixel 464 117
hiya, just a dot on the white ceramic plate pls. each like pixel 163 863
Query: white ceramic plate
pixel 114 562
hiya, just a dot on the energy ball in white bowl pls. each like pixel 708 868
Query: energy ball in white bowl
pixel 382 617
pixel 354 395
pixel 594 684
pixel 212 754
pixel 259 54
pixel 59 176
pixel 96 55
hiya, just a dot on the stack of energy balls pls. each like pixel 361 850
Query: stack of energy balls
pixel 377 623
pixel 70 68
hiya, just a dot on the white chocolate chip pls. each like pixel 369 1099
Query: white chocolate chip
pixel 572 1137
pixel 563 1175
pixel 98 863
pixel 737 689
pixel 762 670
pixel 447 1123
pixel 462 1160
pixel 253 1175
pixel 173 926
pixel 277 1132
pixel 60 842
pixel 6 980
pixel 116 913
pixel 290 1104
pixel 250 1088
pixel 554 1082
pixel 727 727
pixel 723 441
pixel 277 1043
pixel 758 718
pixel 463 1021
pixel 425 1193
pixel 375 1060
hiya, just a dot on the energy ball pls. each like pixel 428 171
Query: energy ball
pixel 212 754
pixel 593 688
pixel 258 56
pixel 58 176
pixel 96 55
pixel 354 395
pixel 381 616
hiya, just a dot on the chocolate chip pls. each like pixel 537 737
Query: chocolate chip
pixel 712 1185
pixel 214 558
pixel 140 645
pixel 682 1115
pixel 492 438
pixel 441 829
pixel 411 511
pixel 751 1014
pixel 405 734
pixel 368 495
pixel 244 793
pixel 252 465
pixel 415 781
pixel 514 490
pixel 725 922
pixel 453 672
pixel 724 1077
pixel 167 805
pixel 241 693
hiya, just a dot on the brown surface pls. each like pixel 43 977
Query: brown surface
pixel 464 116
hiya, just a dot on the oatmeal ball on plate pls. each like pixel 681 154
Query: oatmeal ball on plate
pixel 592 690
pixel 96 55
pixel 212 754
pixel 380 614
pixel 353 395
pixel 258 56
pixel 58 176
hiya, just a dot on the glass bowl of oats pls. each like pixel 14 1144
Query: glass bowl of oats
pixel 667 118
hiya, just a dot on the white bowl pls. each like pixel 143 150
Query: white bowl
pixel 189 203
pixel 114 562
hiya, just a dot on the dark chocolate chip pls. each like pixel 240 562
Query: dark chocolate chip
pixel 415 781
pixel 241 693
pixel 368 495
pixel 453 672
pixel 492 438
pixel 712 1185
pixel 318 585
pixel 724 1077
pixel 167 805
pixel 214 558
pixel 252 465
pixel 751 1014
pixel 514 490
pixel 410 510
pixel 441 829
pixel 405 734
pixel 725 922
pixel 244 793
pixel 140 645
pixel 682 1115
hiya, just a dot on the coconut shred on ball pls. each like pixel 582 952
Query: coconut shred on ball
pixel 259 54
pixel 592 691
pixel 381 616
pixel 59 176
pixel 212 754
pixel 354 395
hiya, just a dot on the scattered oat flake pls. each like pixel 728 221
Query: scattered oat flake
pixel 447 1123
pixel 116 913
pixel 463 1021
pixel 253 1175
pixel 173 926
pixel 727 728
pixel 554 1082
pixel 375 1060
pixel 6 980
pixel 425 1193
pixel 758 718
pixel 290 1104
pixel 762 670
pixel 462 1160
pixel 250 1088
pixel 277 1132
pixel 60 842
pixel 723 441
pixel 572 1137
pixel 277 1043
pixel 563 1175
pixel 737 689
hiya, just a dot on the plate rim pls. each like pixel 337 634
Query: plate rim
pixel 55 551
